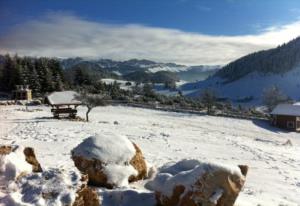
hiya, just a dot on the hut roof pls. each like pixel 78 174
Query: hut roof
pixel 63 98
pixel 287 109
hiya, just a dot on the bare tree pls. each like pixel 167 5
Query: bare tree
pixel 91 101
pixel 273 96
pixel 208 99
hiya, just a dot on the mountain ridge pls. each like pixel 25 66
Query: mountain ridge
pixel 272 61
pixel 145 69
pixel 246 78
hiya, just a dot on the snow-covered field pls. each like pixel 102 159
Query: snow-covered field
pixel 273 178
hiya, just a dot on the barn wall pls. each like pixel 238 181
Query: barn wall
pixel 282 121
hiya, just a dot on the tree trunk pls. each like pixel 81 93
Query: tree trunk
pixel 87 113
pixel 208 109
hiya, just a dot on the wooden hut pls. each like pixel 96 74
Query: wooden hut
pixel 63 103
pixel 286 116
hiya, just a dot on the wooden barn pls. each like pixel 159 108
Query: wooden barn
pixel 286 116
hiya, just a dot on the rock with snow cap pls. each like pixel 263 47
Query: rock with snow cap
pixel 192 183
pixel 109 160
pixel 16 160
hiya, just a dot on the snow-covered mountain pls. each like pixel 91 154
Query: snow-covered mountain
pixel 250 87
pixel 245 79
pixel 122 68
pixel 125 67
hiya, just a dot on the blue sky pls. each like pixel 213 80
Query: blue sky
pixel 194 19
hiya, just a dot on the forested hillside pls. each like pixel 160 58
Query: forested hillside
pixel 41 74
pixel 87 73
pixel 274 61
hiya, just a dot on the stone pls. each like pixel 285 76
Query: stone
pixel 107 169
pixel 5 149
pixel 139 164
pixel 31 159
pixel 29 156
pixel 214 186
pixel 86 196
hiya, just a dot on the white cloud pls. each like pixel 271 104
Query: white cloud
pixel 65 35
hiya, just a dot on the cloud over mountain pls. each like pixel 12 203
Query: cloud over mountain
pixel 66 35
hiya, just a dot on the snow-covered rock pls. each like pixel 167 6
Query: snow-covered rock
pixel 12 165
pixel 109 160
pixel 15 162
pixel 191 182
pixel 31 159
pixel 86 196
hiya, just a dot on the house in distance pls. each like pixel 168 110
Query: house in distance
pixel 286 116
pixel 22 92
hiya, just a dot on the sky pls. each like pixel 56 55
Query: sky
pixel 191 32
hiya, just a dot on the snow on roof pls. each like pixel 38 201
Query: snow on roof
pixel 287 109
pixel 65 97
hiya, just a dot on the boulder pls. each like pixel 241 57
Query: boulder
pixel 109 160
pixel 13 165
pixel 86 196
pixel 29 156
pixel 13 155
pixel 5 149
pixel 139 164
pixel 192 183
pixel 31 159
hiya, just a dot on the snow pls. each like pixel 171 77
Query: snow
pixel 273 178
pixel 127 197
pixel 64 97
pixel 52 187
pixel 252 84
pixel 107 147
pixel 287 109
pixel 119 174
pixel 176 68
pixel 186 173
pixel 216 196
pixel 13 164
